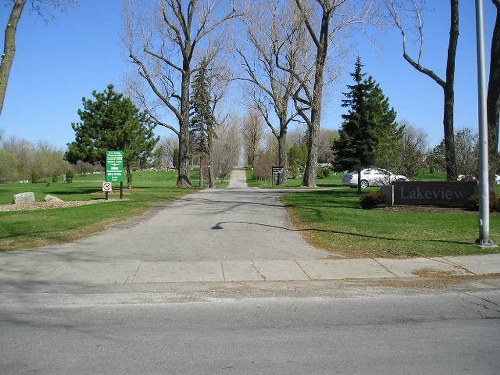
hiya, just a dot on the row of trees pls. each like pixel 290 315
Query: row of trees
pixel 21 160
pixel 369 135
pixel 286 64
pixel 286 54
pixel 110 121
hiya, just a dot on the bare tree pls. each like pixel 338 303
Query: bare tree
pixel 219 76
pixel 324 21
pixel 414 10
pixel 467 145
pixel 43 8
pixel 169 40
pixel 326 138
pixel 493 101
pixel 164 152
pixel 226 148
pixel 252 132
pixel 9 49
pixel 411 152
pixel 271 39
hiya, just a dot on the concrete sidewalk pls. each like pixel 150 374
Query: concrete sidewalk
pixel 233 235
pixel 140 272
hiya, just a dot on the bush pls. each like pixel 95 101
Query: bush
pixel 494 202
pixel 69 176
pixel 371 200
pixel 54 178
pixel 35 176
pixel 262 166
pixel 323 172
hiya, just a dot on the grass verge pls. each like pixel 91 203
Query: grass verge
pixel 332 220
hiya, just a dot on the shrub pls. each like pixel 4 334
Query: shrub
pixel 371 200
pixel 69 176
pixel 494 202
pixel 323 172
pixel 54 178
pixel 35 176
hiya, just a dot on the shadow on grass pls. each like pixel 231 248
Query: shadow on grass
pixel 219 226
pixel 77 191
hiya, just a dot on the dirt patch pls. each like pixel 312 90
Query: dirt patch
pixel 431 209
pixel 431 272
pixel 48 205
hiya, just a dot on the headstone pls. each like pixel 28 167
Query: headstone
pixel 51 198
pixel 24 198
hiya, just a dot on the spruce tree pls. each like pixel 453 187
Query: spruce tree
pixel 369 132
pixel 202 124
pixel 387 133
pixel 111 121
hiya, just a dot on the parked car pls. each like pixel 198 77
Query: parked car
pixel 476 178
pixel 372 177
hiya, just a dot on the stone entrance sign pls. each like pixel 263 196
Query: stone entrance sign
pixel 431 193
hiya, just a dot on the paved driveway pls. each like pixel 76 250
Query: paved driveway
pixel 184 241
pixel 214 224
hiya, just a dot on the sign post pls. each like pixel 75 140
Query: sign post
pixel 114 169
pixel 275 171
pixel 107 188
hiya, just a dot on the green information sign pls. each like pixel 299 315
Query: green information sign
pixel 114 166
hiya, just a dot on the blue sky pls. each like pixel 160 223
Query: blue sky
pixel 59 62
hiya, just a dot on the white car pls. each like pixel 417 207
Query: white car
pixel 372 177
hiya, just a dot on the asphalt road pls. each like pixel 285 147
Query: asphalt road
pixel 448 333
pixel 62 310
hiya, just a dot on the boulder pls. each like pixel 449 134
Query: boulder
pixel 24 198
pixel 51 198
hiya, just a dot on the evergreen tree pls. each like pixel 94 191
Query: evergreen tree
pixel 202 124
pixel 387 133
pixel 369 132
pixel 111 121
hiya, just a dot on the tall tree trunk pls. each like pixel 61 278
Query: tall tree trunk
pixel 309 179
pixel 282 159
pixel 202 159
pixel 493 102
pixel 129 176
pixel 183 179
pixel 449 134
pixel 449 94
pixel 9 49
pixel 211 172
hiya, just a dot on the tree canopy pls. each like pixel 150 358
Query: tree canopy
pixel 111 121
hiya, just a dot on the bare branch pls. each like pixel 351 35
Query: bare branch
pixel 394 12
pixel 143 72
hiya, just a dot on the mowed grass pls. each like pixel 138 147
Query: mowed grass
pixel 31 229
pixel 332 219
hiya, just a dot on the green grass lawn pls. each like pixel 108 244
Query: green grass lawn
pixel 29 229
pixel 331 219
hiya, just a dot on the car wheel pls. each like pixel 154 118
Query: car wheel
pixel 364 184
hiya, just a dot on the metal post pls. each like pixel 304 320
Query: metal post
pixel 484 194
